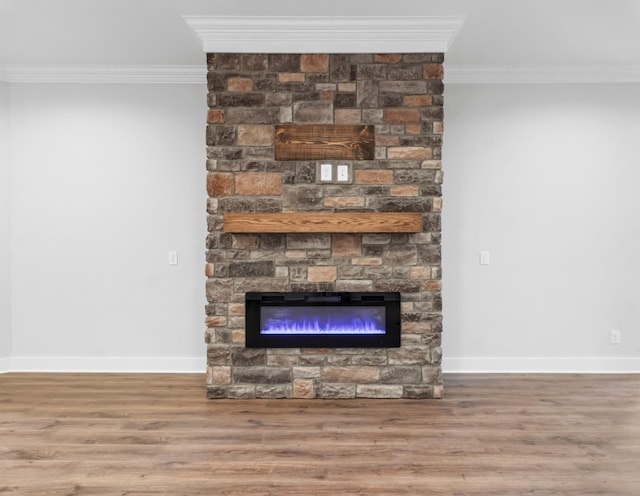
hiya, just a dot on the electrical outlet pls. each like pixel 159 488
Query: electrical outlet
pixel 484 258
pixel 173 258
pixel 616 337
pixel 343 173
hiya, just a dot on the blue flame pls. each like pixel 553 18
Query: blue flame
pixel 316 320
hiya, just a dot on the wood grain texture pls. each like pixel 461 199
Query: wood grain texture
pixel 323 222
pixel 316 142
pixel 144 434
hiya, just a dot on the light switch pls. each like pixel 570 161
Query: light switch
pixel 173 258
pixel 326 172
pixel 343 173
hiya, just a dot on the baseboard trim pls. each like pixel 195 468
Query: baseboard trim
pixel 5 364
pixel 107 364
pixel 542 365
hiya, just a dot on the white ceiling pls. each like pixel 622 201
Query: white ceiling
pixel 557 33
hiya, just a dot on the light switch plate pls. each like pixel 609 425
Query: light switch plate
pixel 326 172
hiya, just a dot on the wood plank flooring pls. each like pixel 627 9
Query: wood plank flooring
pixel 153 434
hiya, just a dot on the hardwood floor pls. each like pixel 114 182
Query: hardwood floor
pixel 137 434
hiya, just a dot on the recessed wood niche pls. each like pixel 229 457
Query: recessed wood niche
pixel 317 142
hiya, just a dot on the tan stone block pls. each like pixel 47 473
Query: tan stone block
pixel 239 85
pixel 431 375
pixel 314 62
pixel 245 241
pixel 258 183
pixel 351 374
pixel 438 127
pixel 438 178
pixel 220 375
pixel 346 245
pixel 431 164
pixel 316 351
pixel 404 190
pixel 378 391
pixel 282 272
pixel 388 58
pixel 313 112
pixel 282 360
pixel 209 375
pixel 423 238
pixel 215 321
pixel 291 77
pixel 437 204
pixel 327 95
pixel 295 254
pixel 387 140
pixel 433 71
pixel 354 285
pixel 337 391
pixel 303 389
pixel 238 336
pixel 416 327
pixel 344 201
pixel 411 339
pixel 401 116
pixel 209 269
pixel 420 272
pixel 438 392
pixel 215 116
pixel 326 87
pixel 414 129
pixel 418 100
pixel 366 261
pixel 432 286
pixel 409 152
pixel 306 372
pixel 322 274
pixel 409 355
pixel 256 135
pixel 286 114
pixel 347 87
pixel 373 176
pixel 219 183
pixel 407 306
pixel 348 116
pixel 236 309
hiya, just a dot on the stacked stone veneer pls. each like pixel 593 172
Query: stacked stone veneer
pixel 401 95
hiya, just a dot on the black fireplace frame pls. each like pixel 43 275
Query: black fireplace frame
pixel 254 301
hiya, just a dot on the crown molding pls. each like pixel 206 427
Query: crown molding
pixel 324 34
pixel 468 74
pixel 106 74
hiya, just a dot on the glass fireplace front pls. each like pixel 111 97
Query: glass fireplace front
pixel 325 319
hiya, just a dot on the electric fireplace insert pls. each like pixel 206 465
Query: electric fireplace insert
pixel 322 320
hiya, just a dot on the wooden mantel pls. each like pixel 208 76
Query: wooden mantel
pixel 323 222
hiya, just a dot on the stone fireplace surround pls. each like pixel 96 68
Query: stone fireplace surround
pixel 402 96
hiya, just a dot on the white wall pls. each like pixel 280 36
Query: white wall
pixel 105 181
pixel 546 178
pixel 5 254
